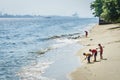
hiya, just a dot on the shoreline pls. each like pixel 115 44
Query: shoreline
pixel 108 68
pixel 47 69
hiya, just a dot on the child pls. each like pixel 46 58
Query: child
pixel 88 55
pixel 101 51
pixel 94 52
pixel 86 34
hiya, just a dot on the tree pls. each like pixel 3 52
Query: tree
pixel 109 10
pixel 97 6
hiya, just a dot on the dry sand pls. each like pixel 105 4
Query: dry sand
pixel 107 69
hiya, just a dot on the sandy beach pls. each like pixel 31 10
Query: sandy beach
pixel 109 67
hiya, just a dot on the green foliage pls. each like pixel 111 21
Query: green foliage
pixel 109 10
pixel 97 6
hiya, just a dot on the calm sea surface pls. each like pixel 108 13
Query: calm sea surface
pixel 40 48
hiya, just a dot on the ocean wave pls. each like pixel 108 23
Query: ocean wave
pixel 72 36
pixel 69 36
pixel 42 51
pixel 34 71
pixel 58 43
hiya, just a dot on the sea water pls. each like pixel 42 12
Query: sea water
pixel 40 48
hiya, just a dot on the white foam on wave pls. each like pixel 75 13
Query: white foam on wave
pixel 69 41
pixel 64 42
pixel 34 71
pixel 42 51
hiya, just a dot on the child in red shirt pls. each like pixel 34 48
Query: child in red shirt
pixel 94 52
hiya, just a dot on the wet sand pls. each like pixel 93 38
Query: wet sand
pixel 109 67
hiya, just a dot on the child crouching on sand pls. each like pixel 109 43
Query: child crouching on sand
pixel 87 56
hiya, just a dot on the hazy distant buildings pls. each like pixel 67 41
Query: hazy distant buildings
pixel 5 15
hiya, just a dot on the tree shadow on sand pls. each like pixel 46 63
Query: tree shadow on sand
pixel 118 27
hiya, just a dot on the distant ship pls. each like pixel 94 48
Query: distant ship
pixel 75 15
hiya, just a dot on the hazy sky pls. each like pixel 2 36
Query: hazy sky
pixel 47 7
